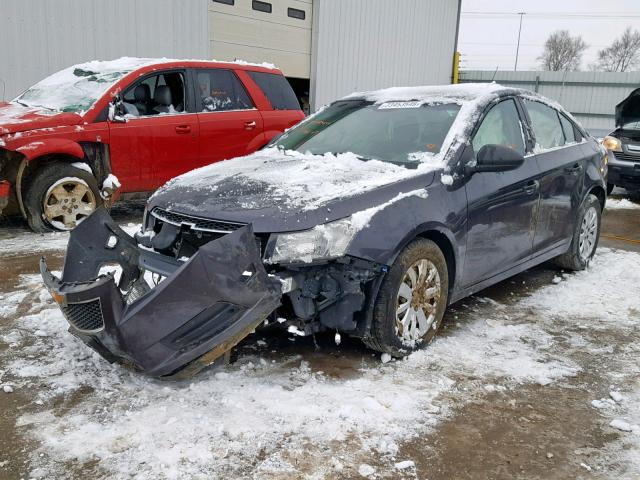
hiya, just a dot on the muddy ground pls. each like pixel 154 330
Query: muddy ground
pixel 489 426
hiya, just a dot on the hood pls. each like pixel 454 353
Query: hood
pixel 278 191
pixel 18 118
pixel 628 110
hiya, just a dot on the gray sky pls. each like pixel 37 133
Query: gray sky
pixel 489 29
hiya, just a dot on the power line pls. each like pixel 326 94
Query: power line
pixel 622 15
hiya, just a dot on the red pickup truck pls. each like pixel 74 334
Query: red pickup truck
pixel 85 135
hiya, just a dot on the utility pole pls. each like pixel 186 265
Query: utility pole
pixel 518 47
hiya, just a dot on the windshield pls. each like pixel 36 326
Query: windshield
pixel 396 132
pixel 74 89
pixel 631 126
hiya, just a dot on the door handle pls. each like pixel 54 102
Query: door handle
pixel 249 125
pixel 182 129
pixel 577 168
pixel 531 187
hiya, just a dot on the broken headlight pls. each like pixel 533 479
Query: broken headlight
pixel 326 241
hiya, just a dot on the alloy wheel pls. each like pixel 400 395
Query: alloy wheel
pixel 588 234
pixel 67 202
pixel 417 301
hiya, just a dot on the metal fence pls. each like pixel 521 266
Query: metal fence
pixel 590 96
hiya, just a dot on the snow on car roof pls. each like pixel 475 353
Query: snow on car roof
pixel 77 87
pixel 435 93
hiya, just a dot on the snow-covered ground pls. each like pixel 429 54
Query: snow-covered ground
pixel 278 414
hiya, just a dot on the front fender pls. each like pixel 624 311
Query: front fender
pixel 60 146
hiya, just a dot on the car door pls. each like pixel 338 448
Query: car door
pixel 501 207
pixel 230 124
pixel 562 163
pixel 159 138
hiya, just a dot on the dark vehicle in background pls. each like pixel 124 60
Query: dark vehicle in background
pixel 368 218
pixel 84 135
pixel 624 145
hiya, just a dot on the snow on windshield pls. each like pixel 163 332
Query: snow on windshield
pixel 307 181
pixel 76 89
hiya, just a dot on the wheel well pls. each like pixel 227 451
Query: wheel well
pixel 600 193
pixel 445 246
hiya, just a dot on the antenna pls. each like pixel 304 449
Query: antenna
pixel 515 67
pixel 494 73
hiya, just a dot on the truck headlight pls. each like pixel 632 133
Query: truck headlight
pixel 612 143
pixel 326 241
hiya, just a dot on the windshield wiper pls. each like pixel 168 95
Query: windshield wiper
pixel 22 103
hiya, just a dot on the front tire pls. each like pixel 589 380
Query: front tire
pixel 411 302
pixel 60 196
pixel 585 236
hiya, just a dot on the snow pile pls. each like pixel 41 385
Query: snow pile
pixel 620 203
pixel 596 292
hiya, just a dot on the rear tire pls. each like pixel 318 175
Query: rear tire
pixel 585 236
pixel 60 196
pixel 411 302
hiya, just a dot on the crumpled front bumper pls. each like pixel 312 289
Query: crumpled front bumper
pixel 203 308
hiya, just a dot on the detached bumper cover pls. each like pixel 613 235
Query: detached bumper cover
pixel 202 309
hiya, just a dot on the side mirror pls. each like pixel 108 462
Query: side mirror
pixel 496 158
pixel 116 110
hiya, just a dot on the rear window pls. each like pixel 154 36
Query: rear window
pixel 277 90
pixel 546 125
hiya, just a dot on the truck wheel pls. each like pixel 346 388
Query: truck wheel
pixel 411 301
pixel 585 236
pixel 60 196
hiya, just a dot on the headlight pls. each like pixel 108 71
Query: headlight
pixel 326 241
pixel 612 143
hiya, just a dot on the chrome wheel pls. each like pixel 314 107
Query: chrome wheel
pixel 588 234
pixel 67 202
pixel 417 301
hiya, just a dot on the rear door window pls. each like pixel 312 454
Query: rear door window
pixel 220 90
pixel 500 126
pixel 546 125
pixel 277 90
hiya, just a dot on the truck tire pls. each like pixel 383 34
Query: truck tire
pixel 585 238
pixel 411 302
pixel 60 196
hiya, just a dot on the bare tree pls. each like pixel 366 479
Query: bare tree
pixel 623 54
pixel 562 52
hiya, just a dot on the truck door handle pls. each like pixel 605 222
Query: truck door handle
pixel 531 187
pixel 182 129
pixel 577 168
pixel 249 125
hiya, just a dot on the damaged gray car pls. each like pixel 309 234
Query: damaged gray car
pixel 369 218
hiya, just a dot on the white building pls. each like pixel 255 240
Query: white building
pixel 327 48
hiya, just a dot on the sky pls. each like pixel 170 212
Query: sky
pixel 489 29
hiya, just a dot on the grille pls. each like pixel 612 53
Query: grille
pixel 627 157
pixel 85 316
pixel 196 223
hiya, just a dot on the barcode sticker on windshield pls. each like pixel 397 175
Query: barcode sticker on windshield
pixel 386 105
